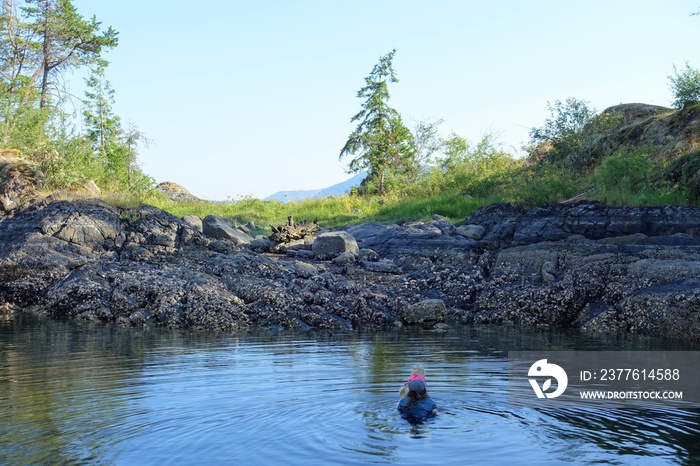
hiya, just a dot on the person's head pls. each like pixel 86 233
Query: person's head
pixel 417 389
pixel 418 371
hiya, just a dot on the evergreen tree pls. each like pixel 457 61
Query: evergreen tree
pixel 116 149
pixel 381 143
pixel 65 40
pixel 102 125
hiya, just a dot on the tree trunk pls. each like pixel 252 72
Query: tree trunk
pixel 46 52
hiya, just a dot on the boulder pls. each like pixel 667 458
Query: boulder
pixel 345 258
pixel 589 266
pixel 91 227
pixel 416 239
pixel 505 223
pixel 18 180
pixel 262 243
pixel 427 311
pixel 224 228
pixel 664 270
pixel 176 193
pixel 470 231
pixel 368 255
pixel 304 269
pixel 194 221
pixel 382 266
pixel 331 244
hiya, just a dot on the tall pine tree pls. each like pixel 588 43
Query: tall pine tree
pixel 381 143
pixel 65 40
pixel 116 148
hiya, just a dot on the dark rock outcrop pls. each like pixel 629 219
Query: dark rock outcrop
pixel 589 266
pixel 89 261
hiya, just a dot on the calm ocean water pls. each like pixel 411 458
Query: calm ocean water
pixel 85 394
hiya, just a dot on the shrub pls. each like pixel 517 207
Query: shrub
pixel 597 140
pixel 685 85
pixel 627 170
pixel 563 131
pixel 684 174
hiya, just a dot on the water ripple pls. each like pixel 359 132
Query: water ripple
pixel 96 395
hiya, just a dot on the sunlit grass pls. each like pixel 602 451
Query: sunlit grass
pixel 333 212
pixel 456 199
pixel 336 212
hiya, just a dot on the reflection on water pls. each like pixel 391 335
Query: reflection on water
pixel 78 394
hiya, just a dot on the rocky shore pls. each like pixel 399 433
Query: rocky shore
pixel 589 266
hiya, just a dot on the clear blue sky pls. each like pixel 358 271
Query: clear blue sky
pixel 251 97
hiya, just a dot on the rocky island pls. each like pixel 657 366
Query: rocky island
pixel 589 266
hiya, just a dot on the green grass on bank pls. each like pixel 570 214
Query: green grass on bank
pixel 332 212
pixel 628 178
pixel 336 212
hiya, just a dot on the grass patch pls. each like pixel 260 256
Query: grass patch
pixel 456 207
pixel 332 212
pixel 641 198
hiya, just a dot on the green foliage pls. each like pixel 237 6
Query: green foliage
pixel 39 42
pixel 563 131
pixel 476 171
pixel 597 141
pixel 114 148
pixel 102 125
pixel 64 38
pixel 685 85
pixel 23 127
pixel 536 185
pixel 455 207
pixel 427 140
pixel 66 162
pixel 469 176
pixel 684 174
pixel 381 143
pixel 626 170
pixel 331 212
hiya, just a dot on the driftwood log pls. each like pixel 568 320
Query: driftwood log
pixel 290 231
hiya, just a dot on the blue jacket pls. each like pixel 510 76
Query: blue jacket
pixel 422 409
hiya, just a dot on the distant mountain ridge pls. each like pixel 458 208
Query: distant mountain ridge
pixel 335 190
